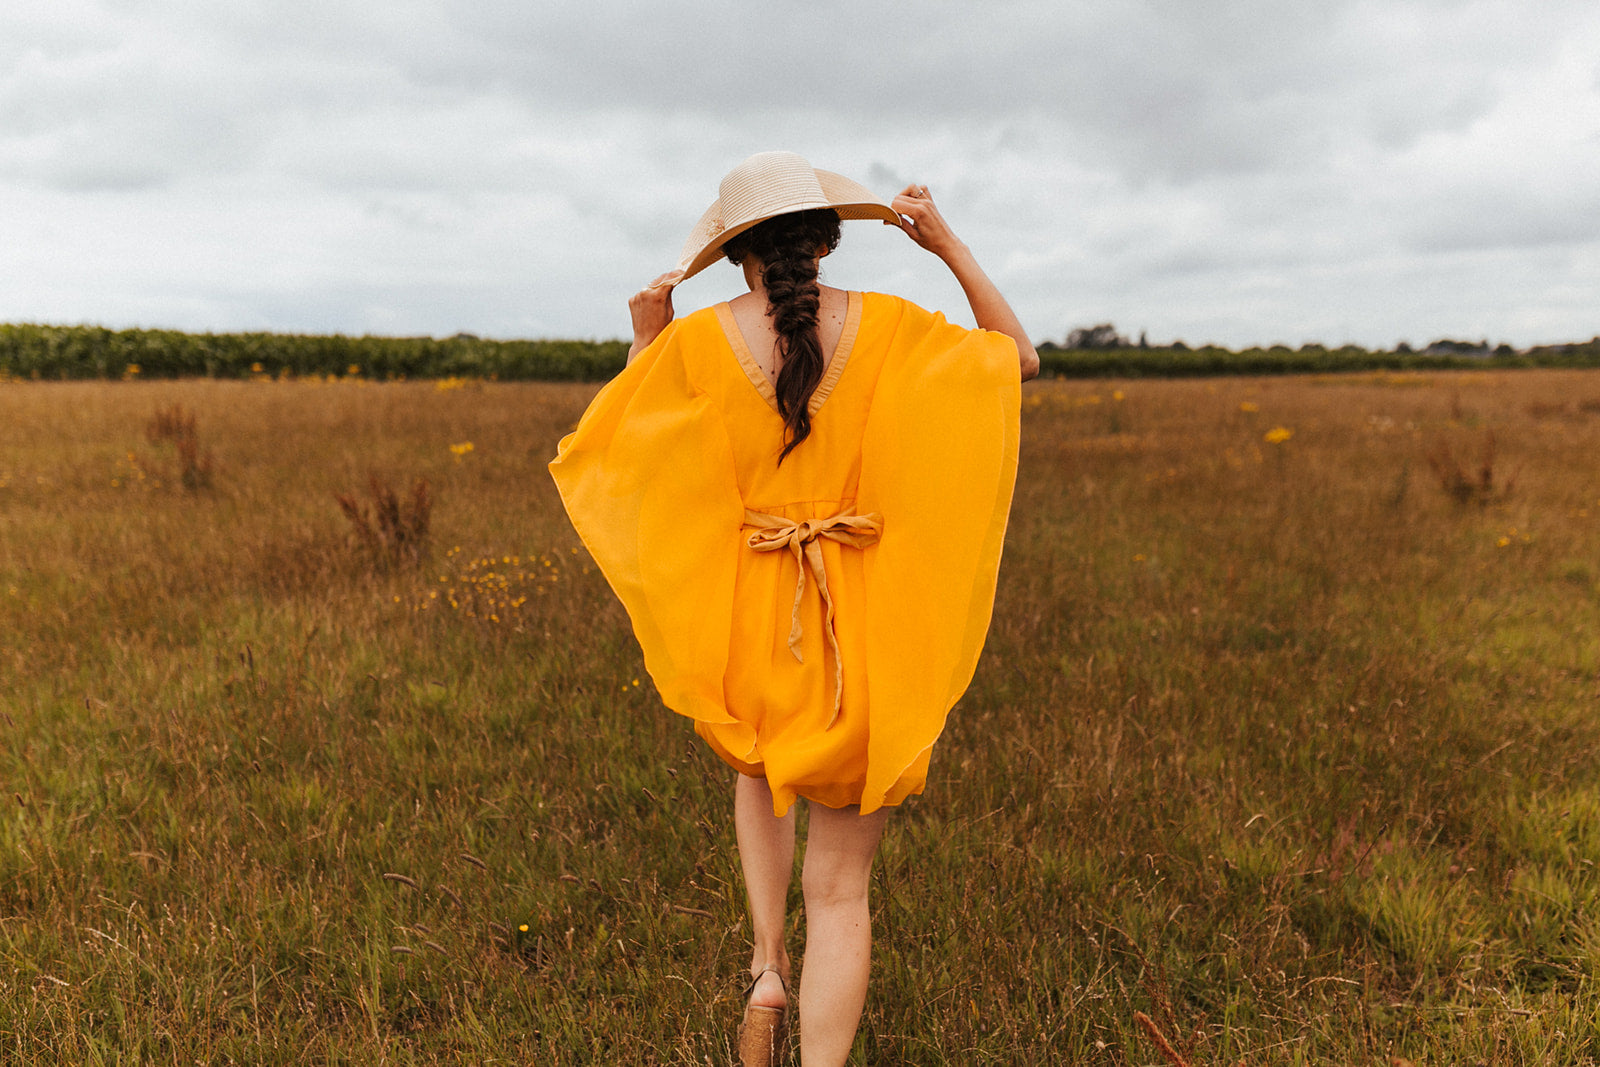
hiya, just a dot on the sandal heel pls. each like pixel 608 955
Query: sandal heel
pixel 764 1030
pixel 761 1037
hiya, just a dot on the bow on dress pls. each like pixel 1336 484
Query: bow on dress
pixel 770 533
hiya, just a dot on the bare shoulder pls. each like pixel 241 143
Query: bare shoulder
pixel 835 304
pixel 750 312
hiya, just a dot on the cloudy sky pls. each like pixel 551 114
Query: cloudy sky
pixel 1237 171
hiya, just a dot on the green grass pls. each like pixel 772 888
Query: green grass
pixel 1275 743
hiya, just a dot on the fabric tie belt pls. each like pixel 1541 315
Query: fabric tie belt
pixel 769 533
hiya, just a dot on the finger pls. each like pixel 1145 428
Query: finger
pixel 667 280
pixel 912 211
pixel 907 206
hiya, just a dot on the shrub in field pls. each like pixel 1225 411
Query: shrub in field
pixel 391 531
pixel 1466 486
pixel 176 426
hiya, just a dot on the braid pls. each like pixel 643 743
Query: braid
pixel 787 246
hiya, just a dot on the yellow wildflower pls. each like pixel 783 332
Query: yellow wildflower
pixel 1277 435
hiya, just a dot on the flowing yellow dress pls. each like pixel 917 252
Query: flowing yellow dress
pixel 672 476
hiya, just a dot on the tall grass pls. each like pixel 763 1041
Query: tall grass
pixel 1275 742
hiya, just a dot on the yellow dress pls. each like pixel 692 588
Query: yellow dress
pixel 672 476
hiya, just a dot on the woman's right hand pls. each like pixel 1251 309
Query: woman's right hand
pixel 651 309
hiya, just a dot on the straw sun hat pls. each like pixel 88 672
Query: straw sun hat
pixel 769 184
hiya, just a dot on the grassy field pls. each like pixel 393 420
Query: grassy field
pixel 1286 736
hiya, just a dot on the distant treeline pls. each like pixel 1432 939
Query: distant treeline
pixel 1101 352
pixel 77 352
pixel 1180 361
pixel 68 352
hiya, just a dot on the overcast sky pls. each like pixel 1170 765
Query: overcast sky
pixel 1237 171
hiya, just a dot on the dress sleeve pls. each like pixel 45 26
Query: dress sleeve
pixel 648 482
pixel 939 461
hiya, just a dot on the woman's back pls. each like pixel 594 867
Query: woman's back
pixel 828 464
pixel 761 335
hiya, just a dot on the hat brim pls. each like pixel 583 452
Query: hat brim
pixel 850 199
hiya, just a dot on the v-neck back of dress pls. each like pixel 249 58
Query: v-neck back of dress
pixel 830 374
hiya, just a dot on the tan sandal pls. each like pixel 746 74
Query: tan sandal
pixel 764 1030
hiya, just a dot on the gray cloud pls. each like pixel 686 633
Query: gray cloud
pixel 1235 171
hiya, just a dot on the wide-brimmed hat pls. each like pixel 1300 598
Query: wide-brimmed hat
pixel 770 184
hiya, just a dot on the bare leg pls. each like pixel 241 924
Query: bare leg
pixel 766 852
pixel 840 846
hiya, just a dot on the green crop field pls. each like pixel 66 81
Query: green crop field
pixel 1286 738
pixel 75 353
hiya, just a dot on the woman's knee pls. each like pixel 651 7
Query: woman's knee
pixel 831 884
pixel 839 852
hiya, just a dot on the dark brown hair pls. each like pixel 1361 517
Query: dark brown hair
pixel 787 247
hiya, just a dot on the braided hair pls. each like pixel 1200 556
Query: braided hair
pixel 787 247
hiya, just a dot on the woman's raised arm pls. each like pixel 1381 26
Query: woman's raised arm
pixel 920 219
pixel 651 311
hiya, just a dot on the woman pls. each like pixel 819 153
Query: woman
pixel 800 497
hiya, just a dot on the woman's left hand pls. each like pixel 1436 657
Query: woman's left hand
pixel 922 222
pixel 651 308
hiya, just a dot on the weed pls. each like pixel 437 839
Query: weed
pixel 1395 498
pixel 392 532
pixel 176 426
pixel 1469 487
pixel 494 589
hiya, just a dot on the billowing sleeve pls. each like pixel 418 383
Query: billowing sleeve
pixel 648 482
pixel 939 462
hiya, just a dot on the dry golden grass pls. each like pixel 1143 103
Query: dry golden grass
pixel 1280 741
